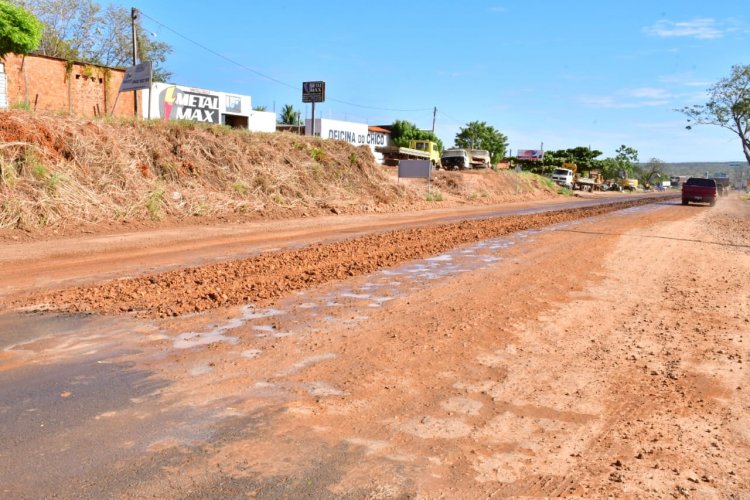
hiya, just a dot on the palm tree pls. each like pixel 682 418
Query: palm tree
pixel 289 116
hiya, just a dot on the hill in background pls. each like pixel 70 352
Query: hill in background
pixel 699 169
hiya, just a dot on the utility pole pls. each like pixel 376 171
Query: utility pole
pixel 133 19
pixel 434 114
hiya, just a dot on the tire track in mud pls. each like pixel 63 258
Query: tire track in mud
pixel 267 277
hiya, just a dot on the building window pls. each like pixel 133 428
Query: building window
pixel 234 104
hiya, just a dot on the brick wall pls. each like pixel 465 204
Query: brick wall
pixel 49 86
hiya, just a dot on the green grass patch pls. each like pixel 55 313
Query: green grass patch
pixel 434 195
pixel 154 203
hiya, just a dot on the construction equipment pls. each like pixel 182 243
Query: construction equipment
pixel 417 150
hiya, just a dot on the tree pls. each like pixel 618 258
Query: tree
pixel 479 135
pixel 289 116
pixel 260 108
pixel 403 131
pixel 20 31
pixel 584 157
pixel 651 172
pixel 616 168
pixel 728 107
pixel 627 154
pixel 80 30
pixel 623 164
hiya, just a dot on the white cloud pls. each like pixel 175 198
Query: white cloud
pixel 685 79
pixel 701 28
pixel 669 125
pixel 620 102
pixel 498 8
pixel 649 93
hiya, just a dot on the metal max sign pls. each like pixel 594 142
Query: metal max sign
pixel 179 103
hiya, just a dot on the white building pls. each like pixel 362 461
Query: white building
pixel 176 102
pixel 358 134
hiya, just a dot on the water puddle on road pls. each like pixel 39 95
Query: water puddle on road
pixel 350 303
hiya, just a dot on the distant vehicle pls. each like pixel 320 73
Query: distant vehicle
pixel 479 158
pixel 678 180
pixel 592 181
pixel 699 189
pixel 455 159
pixel 723 183
pixel 417 150
pixel 563 177
pixel 630 184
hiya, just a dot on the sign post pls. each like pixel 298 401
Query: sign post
pixel 416 169
pixel 137 77
pixel 313 92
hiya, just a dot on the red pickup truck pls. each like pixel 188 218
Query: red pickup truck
pixel 699 189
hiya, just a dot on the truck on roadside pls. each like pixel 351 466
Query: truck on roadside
pixel 563 177
pixel 592 181
pixel 417 150
pixel 479 158
pixel 455 159
pixel 723 183
pixel 629 184
pixel 699 189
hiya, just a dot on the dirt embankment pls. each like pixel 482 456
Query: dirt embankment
pixel 267 277
pixel 64 173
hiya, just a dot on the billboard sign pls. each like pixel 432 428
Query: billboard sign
pixel 314 91
pixel 181 103
pixel 137 77
pixel 530 154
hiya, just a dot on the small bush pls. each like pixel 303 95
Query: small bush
pixel 24 105
pixel 434 196
pixel 154 203
pixel 240 188
pixel 317 154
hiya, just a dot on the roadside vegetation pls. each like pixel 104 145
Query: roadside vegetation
pixel 63 172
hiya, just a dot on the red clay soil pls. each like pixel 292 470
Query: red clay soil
pixel 267 277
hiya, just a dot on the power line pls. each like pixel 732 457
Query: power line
pixel 442 113
pixel 275 80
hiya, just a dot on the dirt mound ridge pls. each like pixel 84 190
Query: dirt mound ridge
pixel 73 174
pixel 59 170
pixel 266 277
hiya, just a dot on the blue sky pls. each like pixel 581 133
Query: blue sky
pixel 563 73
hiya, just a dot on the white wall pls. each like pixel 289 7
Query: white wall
pixel 351 132
pixel 262 121
pixel 207 105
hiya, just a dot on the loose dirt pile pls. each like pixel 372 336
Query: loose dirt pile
pixel 267 277
pixel 67 172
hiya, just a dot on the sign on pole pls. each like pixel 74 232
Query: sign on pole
pixel 137 77
pixel 313 92
pixel 417 169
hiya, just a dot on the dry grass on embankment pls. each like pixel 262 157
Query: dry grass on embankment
pixel 62 172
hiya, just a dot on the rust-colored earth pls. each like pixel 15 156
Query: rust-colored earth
pixel 597 357
pixel 269 276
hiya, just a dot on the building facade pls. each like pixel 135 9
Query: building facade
pixel 42 83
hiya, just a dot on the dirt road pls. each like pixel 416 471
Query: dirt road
pixel 595 357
